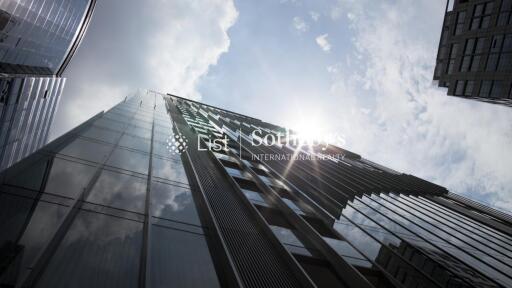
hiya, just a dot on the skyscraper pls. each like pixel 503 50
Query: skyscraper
pixel 37 40
pixel 161 191
pixel 474 60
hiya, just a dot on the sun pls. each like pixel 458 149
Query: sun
pixel 309 131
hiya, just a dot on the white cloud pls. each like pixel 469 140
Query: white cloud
pixel 412 125
pixel 314 15
pixel 162 45
pixel 299 24
pixel 323 42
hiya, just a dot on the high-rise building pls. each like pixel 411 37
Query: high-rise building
pixel 162 191
pixel 37 40
pixel 474 60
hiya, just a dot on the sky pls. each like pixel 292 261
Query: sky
pixel 361 69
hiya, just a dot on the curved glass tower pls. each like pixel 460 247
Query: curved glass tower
pixel 37 40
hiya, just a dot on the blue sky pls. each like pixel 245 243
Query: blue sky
pixel 359 68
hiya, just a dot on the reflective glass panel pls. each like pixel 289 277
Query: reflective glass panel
pixel 97 251
pixel 180 259
pixel 174 203
pixel 129 160
pixel 119 191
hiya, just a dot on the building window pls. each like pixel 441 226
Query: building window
pixel 451 61
pixel 504 17
pixel 459 26
pixel 459 87
pixel 464 88
pixel 481 16
pixel 492 89
pixel 473 51
pixel 485 88
pixel 468 89
pixel 498 90
pixel 500 56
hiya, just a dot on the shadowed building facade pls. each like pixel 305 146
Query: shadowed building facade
pixel 474 59
pixel 161 191
pixel 37 40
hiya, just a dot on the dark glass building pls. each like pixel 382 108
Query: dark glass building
pixel 475 51
pixel 161 191
pixel 37 40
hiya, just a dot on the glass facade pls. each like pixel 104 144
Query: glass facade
pixel 27 109
pixel 37 40
pixel 36 35
pixel 111 204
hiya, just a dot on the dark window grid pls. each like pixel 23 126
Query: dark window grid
pixel 434 244
pixel 460 21
pixel 481 16
pixel 473 53
pixel 500 54
pixel 414 201
pixel 354 247
pixel 504 17
pixel 466 248
pixel 454 48
pixel 464 88
pixel 493 89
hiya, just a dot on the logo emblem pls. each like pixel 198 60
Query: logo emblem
pixel 177 144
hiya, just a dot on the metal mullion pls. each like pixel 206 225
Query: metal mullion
pixel 403 240
pixel 337 262
pixel 49 250
pixel 464 232
pixel 309 232
pixel 469 221
pixel 484 229
pixel 229 271
pixel 262 224
pixel 479 219
pixel 341 236
pixel 454 236
pixel 291 261
pixel 316 189
pixel 331 165
pixel 145 256
pixel 298 270
pixel 429 241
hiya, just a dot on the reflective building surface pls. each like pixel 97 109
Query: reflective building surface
pixel 474 60
pixel 38 37
pixel 161 191
pixel 27 109
pixel 37 40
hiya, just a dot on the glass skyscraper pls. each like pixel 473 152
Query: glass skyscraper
pixel 161 191
pixel 37 40
pixel 474 59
